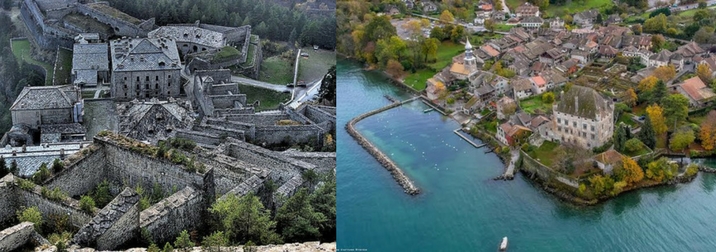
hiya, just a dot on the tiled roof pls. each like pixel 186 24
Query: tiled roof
pixel 190 34
pixel 49 97
pixel 538 80
pixel 144 54
pixel 696 88
pixel 583 102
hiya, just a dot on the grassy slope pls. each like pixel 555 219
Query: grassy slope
pixel 571 8
pixel 276 70
pixel 269 99
pixel 544 153
pixel 417 80
pixel 63 68
pixel 316 65
pixel 533 103
pixel 22 51
pixel 446 50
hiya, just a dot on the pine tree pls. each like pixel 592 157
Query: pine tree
pixel 620 137
pixel 647 134
pixel 3 167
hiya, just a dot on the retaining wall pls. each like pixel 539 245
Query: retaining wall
pixel 81 176
pixel 68 207
pixel 282 167
pixel 294 134
pixel 394 170
pixel 545 173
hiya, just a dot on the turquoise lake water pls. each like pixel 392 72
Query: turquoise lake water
pixel 463 209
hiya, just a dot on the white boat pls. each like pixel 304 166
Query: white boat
pixel 503 245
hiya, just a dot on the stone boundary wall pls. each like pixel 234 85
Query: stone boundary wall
pixel 234 111
pixel 297 116
pixel 16 236
pixel 545 173
pixel 221 89
pixel 289 188
pixel 328 109
pixel 81 176
pixel 394 170
pixel 219 75
pixel 249 127
pixel 203 102
pixel 228 171
pixel 221 131
pixel 180 211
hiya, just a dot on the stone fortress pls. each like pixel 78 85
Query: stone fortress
pixel 163 83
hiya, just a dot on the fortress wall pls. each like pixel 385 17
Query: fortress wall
pixel 122 27
pixel 199 137
pixel 317 115
pixel 227 101
pixel 226 112
pixel 324 161
pixel 258 119
pixel 124 165
pixel 81 176
pixel 222 131
pixel 282 168
pixel 180 211
pixel 8 198
pixel 221 89
pixel 299 117
pixel 294 134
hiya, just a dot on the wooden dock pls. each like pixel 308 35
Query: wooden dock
pixel 432 106
pixel 457 131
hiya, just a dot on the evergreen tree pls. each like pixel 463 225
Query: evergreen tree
pixel 3 167
pixel 620 137
pixel 13 167
pixel 297 220
pixel 647 134
pixel 659 93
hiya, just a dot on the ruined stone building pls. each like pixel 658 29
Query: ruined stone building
pixel 57 22
pixel 154 120
pixel 90 61
pixel 144 68
pixel 582 117
pixel 234 167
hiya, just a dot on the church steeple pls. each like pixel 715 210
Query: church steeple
pixel 469 56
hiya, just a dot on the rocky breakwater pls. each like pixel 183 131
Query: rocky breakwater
pixel 394 170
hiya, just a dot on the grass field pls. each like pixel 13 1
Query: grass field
pixel 21 49
pixel 269 99
pixel 545 153
pixel 531 104
pixel 446 51
pixel 640 152
pixel 276 70
pixel 63 68
pixel 418 79
pixel 316 65
pixel 690 13
pixel 572 7
pixel 503 27
pixel 626 119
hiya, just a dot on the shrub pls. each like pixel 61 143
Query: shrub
pixel 41 175
pixel 87 204
pixel 183 241
pixel 153 248
pixel 168 247
pixel 101 194
pixel 25 184
pixel 692 169
pixel 53 194
pixel 633 145
pixel 30 214
pixel 57 165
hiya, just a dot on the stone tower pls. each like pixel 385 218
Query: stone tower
pixel 470 60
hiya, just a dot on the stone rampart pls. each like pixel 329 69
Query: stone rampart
pixel 16 236
pixel 199 137
pixel 233 111
pixel 222 131
pixel 394 170
pixel 318 115
pixel 296 116
pixel 180 211
pixel 288 188
pixel 219 89
pixel 219 75
pixel 114 225
pixel 324 161
pixel 82 175
pixel 8 198
pixel 121 27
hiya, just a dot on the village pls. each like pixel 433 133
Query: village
pixel 589 107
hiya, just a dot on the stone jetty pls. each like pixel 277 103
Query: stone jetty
pixel 394 170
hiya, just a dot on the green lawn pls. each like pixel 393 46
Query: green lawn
pixel 531 104
pixel 446 50
pixel 571 8
pixel 250 57
pixel 503 27
pixel 690 13
pixel 276 70
pixel 626 119
pixel 226 53
pixel 545 153
pixel 88 94
pixel 269 99
pixel 63 68
pixel 418 79
pixel 21 49
pixel 643 151
pixel 316 65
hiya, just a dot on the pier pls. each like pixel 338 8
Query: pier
pixel 431 105
pixel 457 131
pixel 383 159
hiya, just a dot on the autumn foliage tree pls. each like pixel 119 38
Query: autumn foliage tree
pixel 632 172
pixel 681 139
pixel 707 132
pixel 394 68
pixel 647 83
pixel 656 115
pixel 447 17
pixel 665 73
pixel 704 73
pixel 630 97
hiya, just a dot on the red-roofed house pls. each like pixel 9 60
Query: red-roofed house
pixel 512 135
pixel 698 93
pixel 539 85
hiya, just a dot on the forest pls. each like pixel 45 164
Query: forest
pixel 267 19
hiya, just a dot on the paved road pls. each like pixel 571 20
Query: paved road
pixel 305 94
pixel 470 27
pixel 261 84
